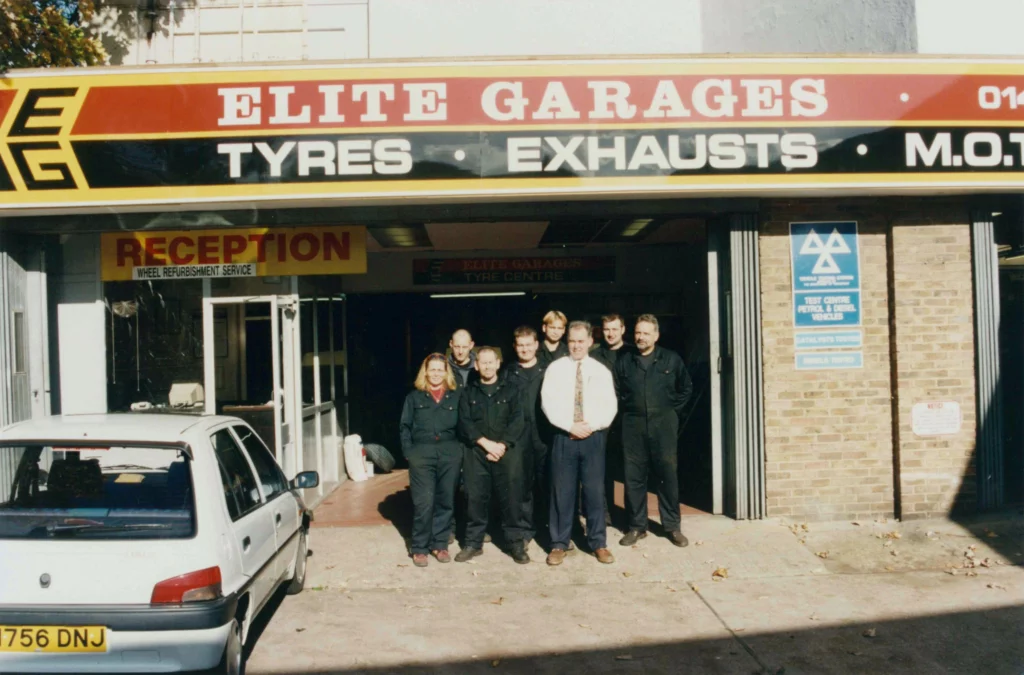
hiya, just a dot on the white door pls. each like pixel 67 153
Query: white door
pixel 252 519
pixel 285 364
pixel 280 501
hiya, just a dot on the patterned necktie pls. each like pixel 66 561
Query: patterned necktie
pixel 577 415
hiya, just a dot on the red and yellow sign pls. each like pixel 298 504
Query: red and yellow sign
pixel 251 252
pixel 372 133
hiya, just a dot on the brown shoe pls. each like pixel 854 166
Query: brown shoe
pixel 420 559
pixel 604 556
pixel 442 556
pixel 556 557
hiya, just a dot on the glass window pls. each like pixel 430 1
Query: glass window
pixel 240 490
pixel 19 342
pixel 271 477
pixel 98 493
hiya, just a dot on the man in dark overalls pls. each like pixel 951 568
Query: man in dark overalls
pixel 613 329
pixel 654 388
pixel 491 426
pixel 527 374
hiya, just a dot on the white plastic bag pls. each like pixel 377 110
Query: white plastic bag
pixel 355 462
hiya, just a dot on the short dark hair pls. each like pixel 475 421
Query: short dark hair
pixel 585 325
pixel 493 350
pixel 649 318
pixel 608 318
pixel 525 331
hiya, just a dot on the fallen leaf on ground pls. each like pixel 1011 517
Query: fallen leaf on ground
pixel 669 588
pixel 822 554
pixel 584 625
pixel 299 630
pixel 803 526
pixel 720 573
pixel 992 535
pixel 646 556
pixel 803 541
pixel 696 588
pixel 814 617
pixel 330 567
pixel 930 533
pixel 973 547
pixel 495 663
pixel 972 573
pixel 1000 562
pixel 870 633
pixel 856 523
pixel 997 586
pixel 951 571
pixel 627 574
pixel 401 565
pixel 986 563
pixel 893 535
pixel 624 657
pixel 498 601
pixel 894 552
pixel 888 568
pixel 698 543
pixel 476 573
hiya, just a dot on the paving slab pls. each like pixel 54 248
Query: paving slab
pixel 376 557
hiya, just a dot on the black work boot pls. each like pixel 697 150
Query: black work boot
pixel 632 537
pixel 677 538
pixel 467 554
pixel 519 553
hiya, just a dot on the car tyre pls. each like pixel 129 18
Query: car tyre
pixel 233 660
pixel 298 581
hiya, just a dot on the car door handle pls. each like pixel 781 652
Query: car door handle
pixel 277 520
pixel 246 544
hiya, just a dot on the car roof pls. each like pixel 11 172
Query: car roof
pixel 125 427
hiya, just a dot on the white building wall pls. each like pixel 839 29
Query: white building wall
pixel 81 328
pixel 979 27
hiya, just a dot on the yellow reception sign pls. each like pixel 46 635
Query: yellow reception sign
pixel 250 252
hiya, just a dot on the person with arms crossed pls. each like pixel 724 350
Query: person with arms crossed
pixel 430 444
pixel 491 425
pixel 578 398
pixel 654 388
pixel 614 329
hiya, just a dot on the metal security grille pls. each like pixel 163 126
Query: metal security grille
pixel 986 329
pixel 747 363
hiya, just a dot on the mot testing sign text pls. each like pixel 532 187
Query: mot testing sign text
pixel 826 274
pixel 92 140
pixel 237 252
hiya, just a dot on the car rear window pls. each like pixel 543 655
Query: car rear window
pixel 113 492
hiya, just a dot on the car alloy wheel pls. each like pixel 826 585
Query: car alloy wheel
pixel 298 581
pixel 233 661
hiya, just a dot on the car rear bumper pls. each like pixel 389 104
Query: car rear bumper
pixel 131 618
pixel 152 651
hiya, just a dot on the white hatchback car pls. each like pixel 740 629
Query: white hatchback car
pixel 141 543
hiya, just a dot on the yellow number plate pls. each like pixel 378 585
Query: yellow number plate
pixel 66 639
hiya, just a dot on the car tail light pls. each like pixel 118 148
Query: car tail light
pixel 191 587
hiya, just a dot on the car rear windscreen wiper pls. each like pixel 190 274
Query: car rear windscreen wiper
pixel 55 530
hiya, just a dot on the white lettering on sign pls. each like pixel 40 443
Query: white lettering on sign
pixel 936 418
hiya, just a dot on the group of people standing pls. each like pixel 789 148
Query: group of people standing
pixel 533 441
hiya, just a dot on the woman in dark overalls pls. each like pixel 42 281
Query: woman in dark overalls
pixel 429 418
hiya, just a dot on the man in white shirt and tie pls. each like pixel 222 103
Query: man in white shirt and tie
pixel 578 398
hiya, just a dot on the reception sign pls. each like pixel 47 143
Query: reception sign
pixel 252 252
pixel 373 132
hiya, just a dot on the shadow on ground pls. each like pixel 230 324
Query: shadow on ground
pixel 990 641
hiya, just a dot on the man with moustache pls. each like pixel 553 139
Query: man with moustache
pixel 492 428
pixel 654 388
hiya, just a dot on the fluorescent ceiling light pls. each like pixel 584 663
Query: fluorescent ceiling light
pixel 477 295
pixel 996 214
pixel 636 227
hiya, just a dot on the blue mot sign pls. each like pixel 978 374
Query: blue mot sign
pixel 826 274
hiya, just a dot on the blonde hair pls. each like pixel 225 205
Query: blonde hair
pixel 554 315
pixel 421 376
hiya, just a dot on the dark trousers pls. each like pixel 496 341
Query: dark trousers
pixel 504 479
pixel 573 463
pixel 433 475
pixel 650 442
pixel 536 490
pixel 613 463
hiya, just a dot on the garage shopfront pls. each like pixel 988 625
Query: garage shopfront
pixel 826 239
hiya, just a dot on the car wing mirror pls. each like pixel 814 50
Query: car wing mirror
pixel 305 480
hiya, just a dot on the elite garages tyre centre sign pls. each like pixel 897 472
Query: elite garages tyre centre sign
pixel 372 132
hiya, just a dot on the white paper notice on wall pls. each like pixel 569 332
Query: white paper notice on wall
pixel 936 418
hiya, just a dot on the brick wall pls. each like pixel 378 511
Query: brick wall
pixel 829 434
pixel 934 340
